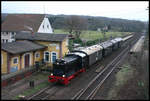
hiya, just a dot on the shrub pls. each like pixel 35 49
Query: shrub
pixel 77 40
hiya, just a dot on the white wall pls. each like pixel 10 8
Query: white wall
pixel 7 36
pixel 46 29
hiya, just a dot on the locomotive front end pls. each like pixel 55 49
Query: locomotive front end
pixel 58 72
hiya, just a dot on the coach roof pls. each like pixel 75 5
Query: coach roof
pixel 118 39
pixel 106 44
pixel 40 36
pixel 91 49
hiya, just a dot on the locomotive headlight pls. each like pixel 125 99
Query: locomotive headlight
pixel 51 74
pixel 63 76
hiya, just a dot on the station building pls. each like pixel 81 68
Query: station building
pixel 30 48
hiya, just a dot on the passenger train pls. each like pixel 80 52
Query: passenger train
pixel 78 61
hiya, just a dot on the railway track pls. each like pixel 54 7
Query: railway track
pixel 44 93
pixel 37 94
pixel 91 89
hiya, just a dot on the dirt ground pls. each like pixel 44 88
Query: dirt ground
pixel 12 91
pixel 131 82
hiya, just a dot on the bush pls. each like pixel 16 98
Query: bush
pixel 93 42
pixel 70 46
pixel 78 40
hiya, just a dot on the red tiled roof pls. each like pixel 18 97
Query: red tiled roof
pixel 17 22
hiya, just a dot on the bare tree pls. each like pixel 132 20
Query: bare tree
pixel 75 25
pixel 104 30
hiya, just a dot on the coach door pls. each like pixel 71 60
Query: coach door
pixel 27 60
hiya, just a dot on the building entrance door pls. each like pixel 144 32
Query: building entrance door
pixel 27 60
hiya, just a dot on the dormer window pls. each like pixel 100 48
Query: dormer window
pixel 13 33
pixel 6 33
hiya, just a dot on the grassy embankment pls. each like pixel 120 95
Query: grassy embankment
pixel 93 35
pixel 132 81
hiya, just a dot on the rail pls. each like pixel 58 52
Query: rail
pixel 83 92
pixel 92 93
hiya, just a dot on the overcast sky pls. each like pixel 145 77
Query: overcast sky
pixel 135 10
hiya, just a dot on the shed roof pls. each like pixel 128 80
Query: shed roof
pixel 20 22
pixel 40 36
pixel 21 47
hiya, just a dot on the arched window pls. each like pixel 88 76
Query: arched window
pixel 46 56
pixel 54 57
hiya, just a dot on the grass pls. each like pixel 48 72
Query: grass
pixel 93 35
pixel 40 76
pixel 124 74
pixel 121 77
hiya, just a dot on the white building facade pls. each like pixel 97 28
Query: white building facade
pixel 7 37
pixel 38 23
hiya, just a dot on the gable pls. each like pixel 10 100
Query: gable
pixel 45 26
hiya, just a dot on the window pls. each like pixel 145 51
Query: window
pixel 54 57
pixel 12 33
pixel 6 40
pixel 3 40
pixel 46 56
pixel 57 47
pixel 47 26
pixel 15 60
pixel 6 33
pixel 37 54
pixel 43 26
